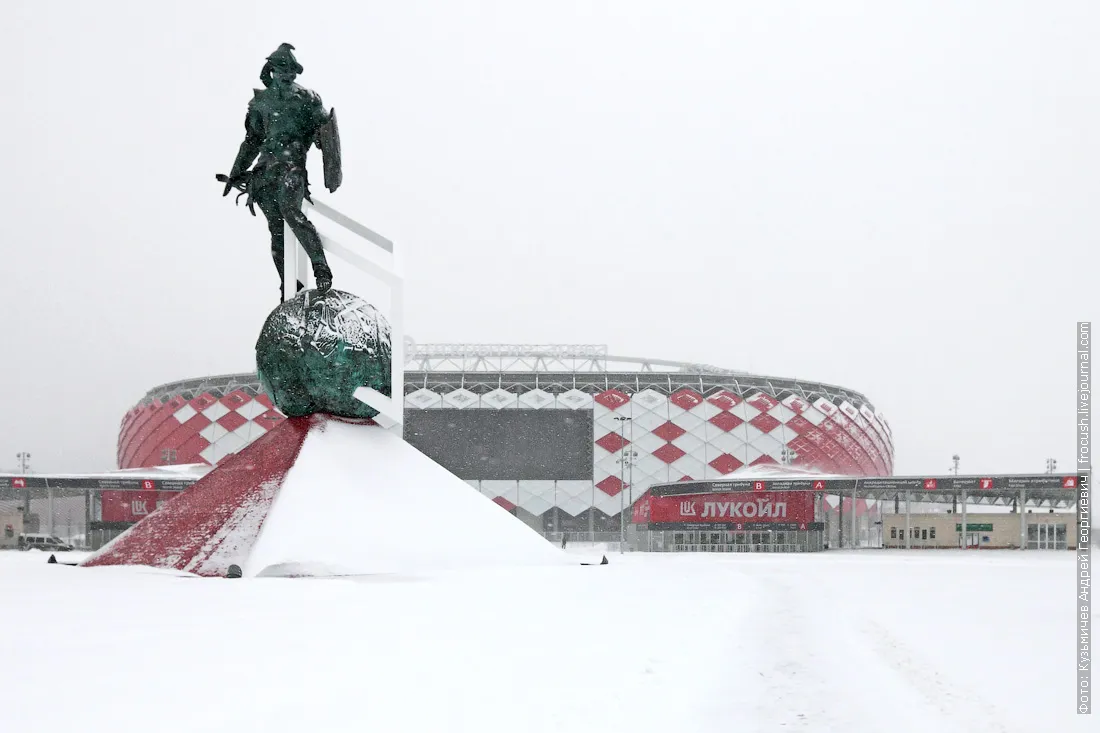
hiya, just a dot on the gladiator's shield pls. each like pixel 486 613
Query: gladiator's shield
pixel 328 140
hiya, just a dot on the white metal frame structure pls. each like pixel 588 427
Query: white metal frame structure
pixel 581 358
pixel 379 261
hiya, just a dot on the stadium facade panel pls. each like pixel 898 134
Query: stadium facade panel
pixel 549 438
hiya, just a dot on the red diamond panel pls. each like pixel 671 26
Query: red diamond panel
pixel 505 503
pixel 197 422
pixel 765 460
pixel 235 399
pixel 264 400
pixel 612 442
pixel 612 399
pixel 142 416
pixel 151 442
pixel 668 453
pixel 203 401
pixel 686 399
pixel 726 463
pixel 270 418
pixel 610 485
pixel 725 400
pixel 133 435
pixel 815 436
pixel 762 401
pixel 685 477
pixel 800 424
pixel 797 405
pixel 670 431
pixel 764 422
pixel 231 420
pixel 726 421
pixel 190 450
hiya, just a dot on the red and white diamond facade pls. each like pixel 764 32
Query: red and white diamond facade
pixel 647 425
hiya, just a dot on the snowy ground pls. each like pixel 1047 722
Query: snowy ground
pixel 847 642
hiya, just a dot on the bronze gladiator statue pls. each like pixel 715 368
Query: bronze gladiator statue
pixel 283 120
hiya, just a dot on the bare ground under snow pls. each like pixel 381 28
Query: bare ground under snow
pixel 846 642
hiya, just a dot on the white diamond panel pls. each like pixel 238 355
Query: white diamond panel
pixel 537 399
pixel 461 399
pixel 575 399
pixel 507 489
pixel 215 411
pixel 252 409
pixel 423 399
pixel 185 413
pixel 648 420
pixel 499 399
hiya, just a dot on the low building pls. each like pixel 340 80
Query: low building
pixel 987 531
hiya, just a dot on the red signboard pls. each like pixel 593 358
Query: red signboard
pixel 19 483
pixel 132 506
pixel 754 507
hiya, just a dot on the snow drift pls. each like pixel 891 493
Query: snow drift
pixel 324 496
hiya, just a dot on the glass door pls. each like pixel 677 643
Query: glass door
pixel 1046 536
pixel 1052 537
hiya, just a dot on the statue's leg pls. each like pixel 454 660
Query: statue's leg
pixel 270 210
pixel 292 190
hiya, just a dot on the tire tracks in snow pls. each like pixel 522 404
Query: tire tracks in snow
pixel 954 700
pixel 814 661
pixel 783 678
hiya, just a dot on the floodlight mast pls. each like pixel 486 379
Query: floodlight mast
pixel 390 408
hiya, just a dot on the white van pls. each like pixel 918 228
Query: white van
pixel 43 542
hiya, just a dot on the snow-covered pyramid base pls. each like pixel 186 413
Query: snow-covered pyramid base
pixel 324 496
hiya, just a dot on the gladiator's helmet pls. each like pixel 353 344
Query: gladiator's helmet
pixel 281 62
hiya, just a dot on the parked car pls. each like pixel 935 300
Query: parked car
pixel 43 542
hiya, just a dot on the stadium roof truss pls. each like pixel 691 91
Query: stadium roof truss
pixel 482 368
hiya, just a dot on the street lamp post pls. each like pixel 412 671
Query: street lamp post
pixel 24 460
pixel 954 496
pixel 622 480
pixel 626 461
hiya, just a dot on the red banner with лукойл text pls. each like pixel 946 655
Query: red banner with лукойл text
pixel 132 506
pixel 738 510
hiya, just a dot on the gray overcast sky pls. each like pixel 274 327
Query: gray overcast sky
pixel 895 197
